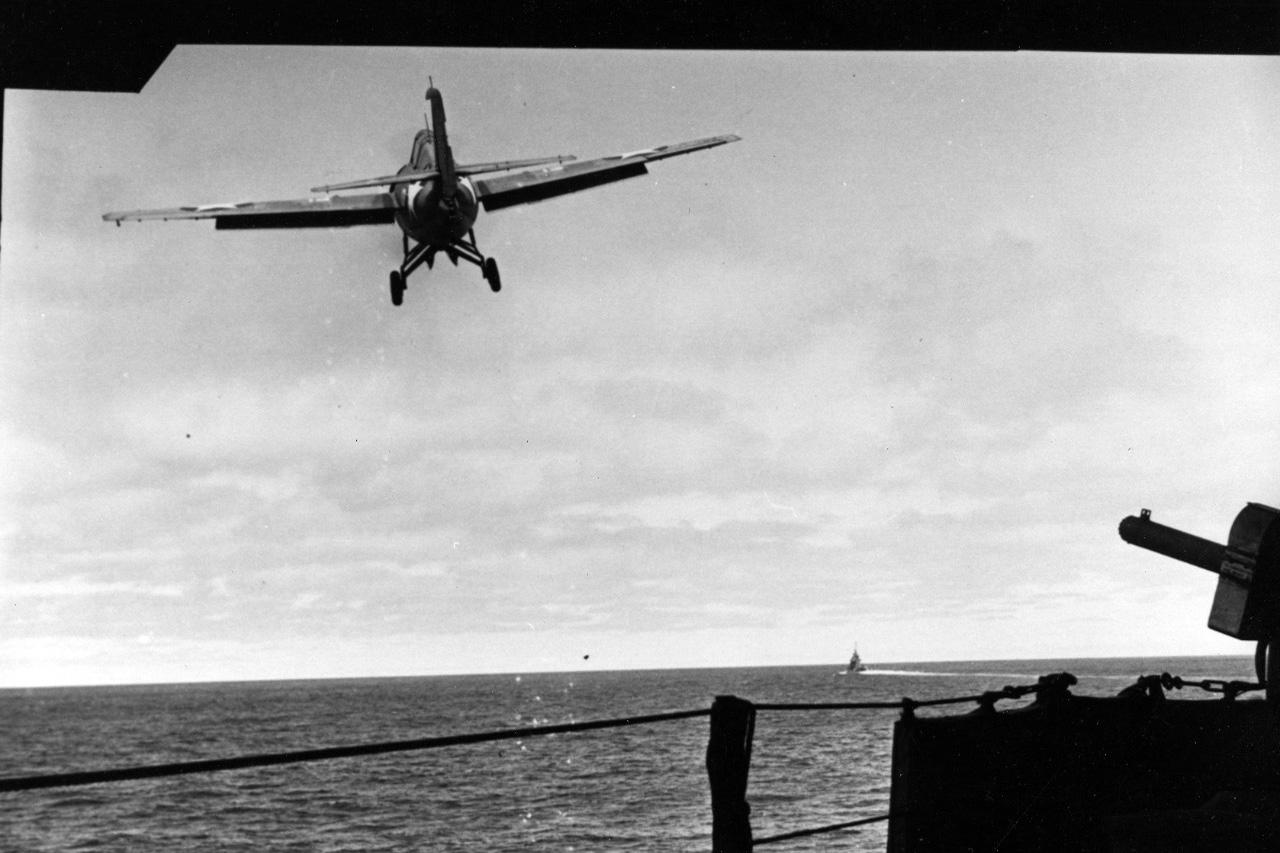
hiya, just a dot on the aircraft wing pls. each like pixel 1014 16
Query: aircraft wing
pixel 465 169
pixel 538 184
pixel 372 209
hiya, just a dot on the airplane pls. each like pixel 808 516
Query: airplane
pixel 433 200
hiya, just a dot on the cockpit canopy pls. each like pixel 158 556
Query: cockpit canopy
pixel 422 155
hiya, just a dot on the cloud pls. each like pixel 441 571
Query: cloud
pixel 81 585
pixel 896 365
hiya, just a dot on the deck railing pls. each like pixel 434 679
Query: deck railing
pixel 728 759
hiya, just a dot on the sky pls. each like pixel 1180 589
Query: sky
pixel 888 371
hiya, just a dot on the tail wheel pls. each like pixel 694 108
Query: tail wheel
pixel 490 270
pixel 397 288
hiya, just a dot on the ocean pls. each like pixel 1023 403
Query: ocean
pixel 636 788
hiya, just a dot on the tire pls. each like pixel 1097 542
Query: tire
pixel 491 275
pixel 397 288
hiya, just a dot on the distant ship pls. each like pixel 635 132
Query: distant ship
pixel 855 663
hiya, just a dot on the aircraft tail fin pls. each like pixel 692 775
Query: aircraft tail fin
pixel 440 140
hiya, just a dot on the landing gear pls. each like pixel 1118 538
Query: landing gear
pixel 397 288
pixel 425 253
pixel 490 271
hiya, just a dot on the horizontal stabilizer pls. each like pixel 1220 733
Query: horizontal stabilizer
pixel 506 165
pixel 470 169
pixel 384 181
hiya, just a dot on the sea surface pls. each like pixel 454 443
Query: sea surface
pixel 636 788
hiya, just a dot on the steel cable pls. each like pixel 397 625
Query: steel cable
pixel 90 777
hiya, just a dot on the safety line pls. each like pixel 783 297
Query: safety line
pixel 801 833
pixel 900 705
pixel 90 777
pixel 828 706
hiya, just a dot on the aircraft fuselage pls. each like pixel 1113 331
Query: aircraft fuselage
pixel 429 216
pixel 439 210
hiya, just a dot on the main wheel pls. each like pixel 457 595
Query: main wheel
pixel 490 270
pixel 397 288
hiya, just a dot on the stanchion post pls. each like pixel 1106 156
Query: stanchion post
pixel 733 723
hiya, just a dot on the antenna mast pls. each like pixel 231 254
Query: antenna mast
pixel 431 84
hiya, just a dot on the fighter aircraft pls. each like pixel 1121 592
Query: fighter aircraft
pixel 434 200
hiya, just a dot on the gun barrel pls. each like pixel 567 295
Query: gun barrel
pixel 1145 533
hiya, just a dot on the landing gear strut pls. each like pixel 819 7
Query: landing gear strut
pixel 425 253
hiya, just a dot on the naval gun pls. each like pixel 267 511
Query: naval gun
pixel 1246 604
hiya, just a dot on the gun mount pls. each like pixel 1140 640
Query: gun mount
pixel 1246 604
